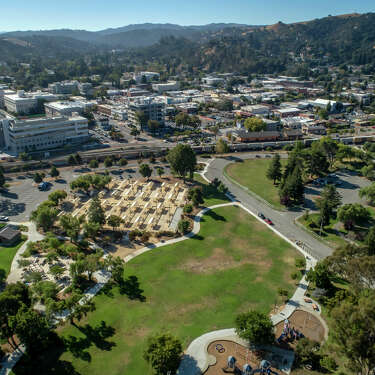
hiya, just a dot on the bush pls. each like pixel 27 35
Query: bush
pixel 300 263
pixel 183 226
pixel 294 275
pixel 123 162
pixel 328 363
pixel 188 208
pixel 145 237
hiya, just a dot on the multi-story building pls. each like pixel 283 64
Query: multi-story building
pixel 152 109
pixel 22 103
pixel 63 88
pixel 44 133
pixel 164 87
pixel 66 108
pixel 145 76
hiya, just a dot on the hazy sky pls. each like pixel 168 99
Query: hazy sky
pixel 101 14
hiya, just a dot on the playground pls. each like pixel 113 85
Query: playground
pixel 233 358
pixel 300 324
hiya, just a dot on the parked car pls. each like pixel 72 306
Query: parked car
pixel 261 216
pixel 268 221
pixel 4 218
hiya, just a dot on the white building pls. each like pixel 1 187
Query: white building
pixel 323 103
pixel 22 103
pixel 66 108
pixel 63 88
pixel 213 81
pixel 152 109
pixel 164 87
pixel 256 109
pixel 44 133
pixel 148 76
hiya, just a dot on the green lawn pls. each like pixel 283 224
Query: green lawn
pixel 252 174
pixel 210 194
pixel 6 256
pixel 234 264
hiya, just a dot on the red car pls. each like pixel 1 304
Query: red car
pixel 268 221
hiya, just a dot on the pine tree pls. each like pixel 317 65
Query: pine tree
pixel 274 170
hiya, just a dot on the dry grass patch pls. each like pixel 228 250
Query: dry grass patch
pixel 220 260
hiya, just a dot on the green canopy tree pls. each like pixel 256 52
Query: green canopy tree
pixel 57 196
pixel 96 212
pixel 44 217
pixel 255 124
pixel 351 214
pixel 182 160
pixel 353 332
pixel 369 193
pixel 255 327
pixel 221 146
pixel 163 352
pixel 54 172
pixel 145 170
pixel 114 221
pixel 71 225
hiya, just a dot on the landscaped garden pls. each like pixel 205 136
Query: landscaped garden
pixel 252 174
pixel 234 264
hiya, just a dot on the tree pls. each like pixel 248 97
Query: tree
pixel 44 217
pixel 330 148
pixel 114 221
pixel 255 327
pixel 332 196
pixel 329 201
pixel 307 353
pixel 108 162
pixel 54 172
pixel 274 170
pixel 145 170
pixel 79 308
pixel 183 226
pixel 215 130
pixel 321 276
pixel 160 171
pixel 255 124
pixel 93 163
pixel 31 328
pixel 91 229
pixel 369 193
pixel 82 182
pixel 353 332
pixel 182 160
pixel 370 241
pixel 71 225
pixel 222 146
pixel 123 162
pixel 142 119
pixel 96 213
pixel 2 179
pixel 38 177
pixel 71 160
pixel 352 213
pixel 116 266
pixel 57 196
pixel 316 161
pixel 163 352
pixel 153 125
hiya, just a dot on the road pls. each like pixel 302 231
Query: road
pixel 283 220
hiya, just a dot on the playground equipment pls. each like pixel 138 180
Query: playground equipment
pixel 220 348
pixel 231 362
pixel 247 370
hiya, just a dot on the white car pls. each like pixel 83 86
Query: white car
pixel 4 218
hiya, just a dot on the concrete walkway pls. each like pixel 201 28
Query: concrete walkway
pixel 32 236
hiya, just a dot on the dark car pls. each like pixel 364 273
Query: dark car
pixel 261 216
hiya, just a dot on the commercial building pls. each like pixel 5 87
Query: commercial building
pixel 23 104
pixel 9 236
pixel 145 76
pixel 63 88
pixel 164 87
pixel 65 108
pixel 44 133
pixel 152 109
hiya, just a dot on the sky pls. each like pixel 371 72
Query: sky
pixel 101 14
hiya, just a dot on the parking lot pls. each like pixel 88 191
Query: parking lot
pixel 23 195
pixel 347 183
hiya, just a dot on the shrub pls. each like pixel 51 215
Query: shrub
pixel 145 237
pixel 188 208
pixel 294 275
pixel 183 226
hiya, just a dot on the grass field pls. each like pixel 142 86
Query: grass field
pixel 211 195
pixel 234 264
pixel 6 256
pixel 252 174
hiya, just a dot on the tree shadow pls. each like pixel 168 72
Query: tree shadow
pixel 214 215
pixel 47 361
pixel 93 336
pixel 131 288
